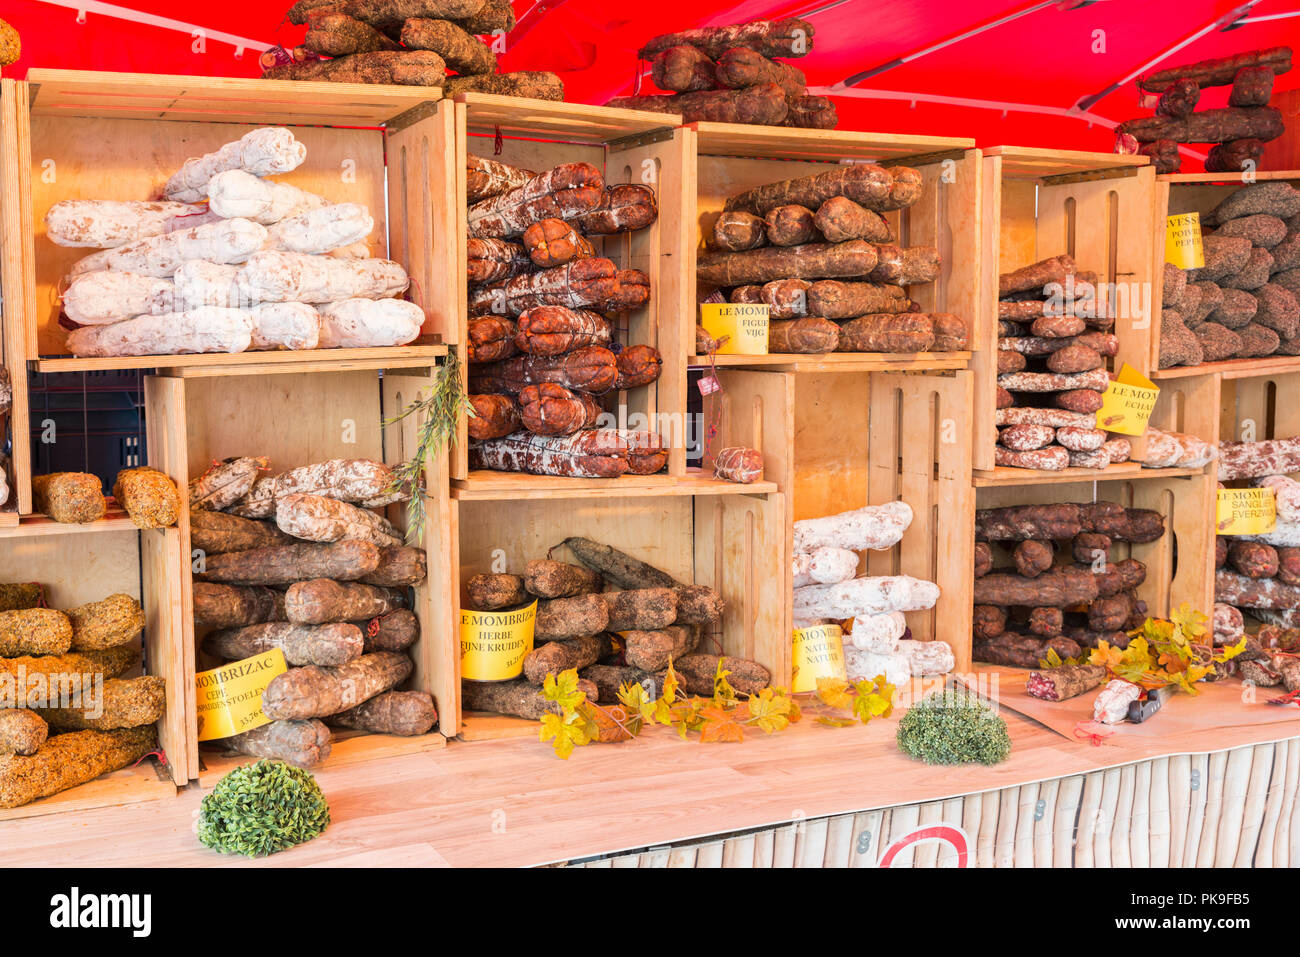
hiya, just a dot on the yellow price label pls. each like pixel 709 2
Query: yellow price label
pixel 1245 511
pixel 493 644
pixel 1183 246
pixel 818 653
pixel 230 697
pixel 743 324
pixel 1127 403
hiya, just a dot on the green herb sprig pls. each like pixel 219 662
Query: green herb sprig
pixel 438 411
pixel 259 809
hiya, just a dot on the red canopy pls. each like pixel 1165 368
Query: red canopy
pixel 1010 72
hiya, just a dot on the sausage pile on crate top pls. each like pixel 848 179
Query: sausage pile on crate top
pixel 819 252
pixel 1240 130
pixel 298 561
pixel 70 716
pixel 1244 303
pixel 1045 579
pixel 726 75
pixel 543 305
pixel 827 589
pixel 627 634
pixel 1260 574
pixel 408 43
pixel 228 260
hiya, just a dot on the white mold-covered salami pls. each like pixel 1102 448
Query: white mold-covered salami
pixel 358 323
pixel 285 325
pixel 1056 418
pixel 107 296
pixel 105 223
pixel 262 152
pixel 237 194
pixel 1287 618
pixel 824 566
pixel 359 481
pixel 1163 450
pixel 258 501
pixel 1051 459
pixel 202 283
pixel 876 526
pixel 1095 380
pixel 206 329
pixel 1240 460
pixel 928 657
pixel 868 665
pixel 1234 589
pixel 357 250
pixel 1026 438
pixel 1080 440
pixel 317 518
pixel 278 276
pixel 1099 459
pixel 1118 449
pixel 878 633
pixel 1111 705
pixel 225 241
pixel 1229 625
pixel 1284 535
pixel 865 596
pixel 323 229
pixel 1287 492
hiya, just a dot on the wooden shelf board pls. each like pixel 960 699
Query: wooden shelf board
pixel 349 747
pixel 146 96
pixel 31 526
pixel 486 485
pixel 1227 179
pixel 841 362
pixel 830 146
pixel 1003 475
pixel 9 519
pixel 128 786
pixel 257 363
pixel 489 726
pixel 548 119
pixel 1233 368
pixel 1027 162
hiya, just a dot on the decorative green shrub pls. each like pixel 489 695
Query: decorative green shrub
pixel 259 809
pixel 954 727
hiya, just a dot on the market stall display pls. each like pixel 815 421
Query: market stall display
pixel 728 75
pixel 299 562
pixel 408 43
pixel 1240 131
pixel 1242 303
pixel 819 252
pixel 1037 599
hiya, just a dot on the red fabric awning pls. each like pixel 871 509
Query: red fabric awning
pixel 1048 59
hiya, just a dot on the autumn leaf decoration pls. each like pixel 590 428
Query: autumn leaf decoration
pixel 1174 651
pixel 723 718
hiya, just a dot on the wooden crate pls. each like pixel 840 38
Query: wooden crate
pixel 1039 203
pixel 300 419
pixel 1180 564
pixel 627 146
pixel 734 543
pixel 730 158
pixel 835 442
pixel 79 564
pixel 14 263
pixel 1259 407
pixel 83 135
pixel 1199 193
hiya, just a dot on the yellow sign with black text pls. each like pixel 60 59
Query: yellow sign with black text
pixel 230 697
pixel 1127 403
pixel 1245 511
pixel 493 643
pixel 744 324
pixel 818 653
pixel 1183 246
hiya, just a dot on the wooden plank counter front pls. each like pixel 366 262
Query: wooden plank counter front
pixel 446 807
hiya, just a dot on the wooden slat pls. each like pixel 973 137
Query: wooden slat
pixel 258 363
pixel 1233 368
pixel 734 139
pixel 37 525
pixel 486 726
pixel 570 122
pixel 347 748
pixel 135 785
pixel 1032 162
pixel 484 485
pixel 1230 179
pixel 15 291
pixel 218 99
pixel 844 362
